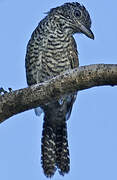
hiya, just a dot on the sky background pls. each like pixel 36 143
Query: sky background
pixel 92 128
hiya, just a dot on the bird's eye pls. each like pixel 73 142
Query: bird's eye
pixel 77 13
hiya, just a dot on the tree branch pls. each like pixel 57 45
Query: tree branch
pixel 78 79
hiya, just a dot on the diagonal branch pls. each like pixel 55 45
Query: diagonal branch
pixel 80 78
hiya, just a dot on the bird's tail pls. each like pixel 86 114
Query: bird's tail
pixel 48 149
pixel 62 151
pixel 55 153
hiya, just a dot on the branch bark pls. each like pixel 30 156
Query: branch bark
pixel 77 79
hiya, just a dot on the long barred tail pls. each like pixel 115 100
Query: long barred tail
pixel 48 149
pixel 62 151
pixel 55 153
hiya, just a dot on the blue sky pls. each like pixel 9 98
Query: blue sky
pixel 92 128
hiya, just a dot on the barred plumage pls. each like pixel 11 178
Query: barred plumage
pixel 51 51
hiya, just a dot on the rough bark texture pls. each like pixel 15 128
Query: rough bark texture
pixel 80 78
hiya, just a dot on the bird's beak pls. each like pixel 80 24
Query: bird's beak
pixel 87 32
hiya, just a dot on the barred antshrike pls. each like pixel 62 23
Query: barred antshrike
pixel 51 51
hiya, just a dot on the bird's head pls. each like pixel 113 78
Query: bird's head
pixel 73 18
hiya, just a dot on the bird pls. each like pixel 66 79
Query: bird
pixel 51 51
